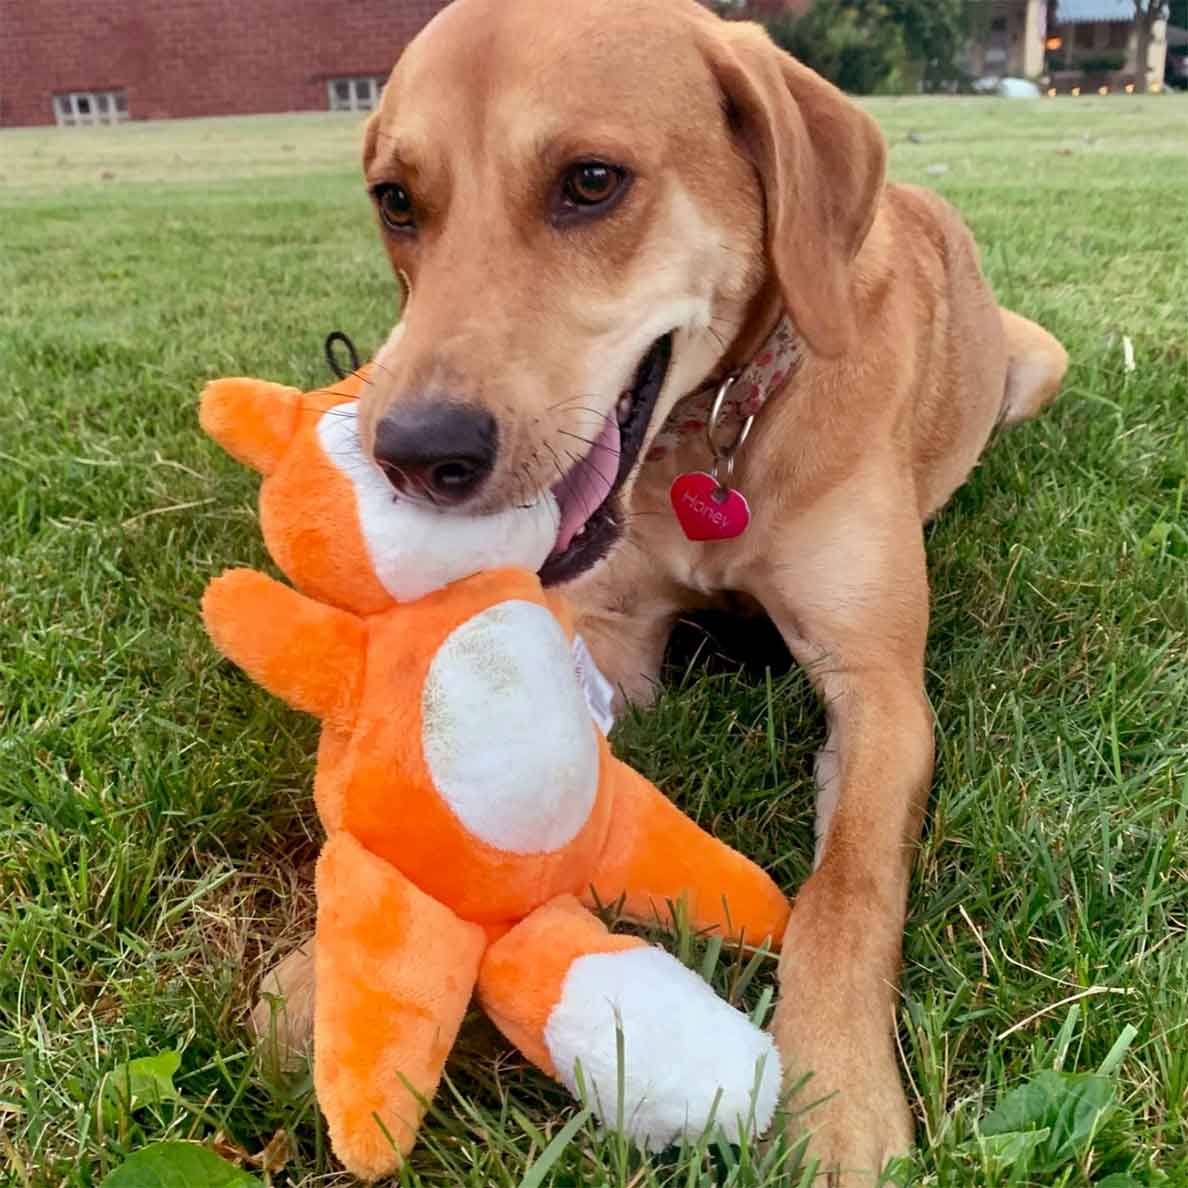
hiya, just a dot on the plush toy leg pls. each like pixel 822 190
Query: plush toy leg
pixel 395 970
pixel 564 990
pixel 654 854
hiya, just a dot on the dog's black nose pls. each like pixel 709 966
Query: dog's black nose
pixel 441 449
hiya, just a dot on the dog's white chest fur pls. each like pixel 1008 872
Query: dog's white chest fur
pixel 507 734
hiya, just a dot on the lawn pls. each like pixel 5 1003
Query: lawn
pixel 156 809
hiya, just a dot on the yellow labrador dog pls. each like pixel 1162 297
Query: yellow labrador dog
pixel 602 210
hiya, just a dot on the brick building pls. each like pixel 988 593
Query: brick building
pixel 92 61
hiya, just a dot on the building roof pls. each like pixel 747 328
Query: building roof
pixel 1083 12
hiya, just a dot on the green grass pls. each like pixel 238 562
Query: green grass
pixel 158 831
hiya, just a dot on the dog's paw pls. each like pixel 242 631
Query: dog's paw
pixel 839 1054
pixel 855 1132
pixel 283 1017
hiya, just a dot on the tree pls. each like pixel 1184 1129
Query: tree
pixel 866 46
pixel 1147 13
pixel 934 33
pixel 854 43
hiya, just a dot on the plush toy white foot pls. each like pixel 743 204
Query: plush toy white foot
pixel 689 1058
pixel 563 988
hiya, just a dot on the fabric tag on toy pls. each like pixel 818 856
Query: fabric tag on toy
pixel 598 691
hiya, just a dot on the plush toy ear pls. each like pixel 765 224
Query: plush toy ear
pixel 252 420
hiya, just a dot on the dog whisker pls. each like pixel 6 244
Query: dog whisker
pixel 594 445
pixel 585 500
pixel 556 462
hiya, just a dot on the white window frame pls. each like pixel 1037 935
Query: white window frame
pixel 363 92
pixel 102 107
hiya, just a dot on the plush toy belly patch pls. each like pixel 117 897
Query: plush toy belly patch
pixel 472 805
pixel 506 734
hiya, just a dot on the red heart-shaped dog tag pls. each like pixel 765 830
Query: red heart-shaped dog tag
pixel 706 510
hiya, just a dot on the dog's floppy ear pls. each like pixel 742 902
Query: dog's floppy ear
pixel 821 162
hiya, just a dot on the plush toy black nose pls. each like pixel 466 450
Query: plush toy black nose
pixel 440 449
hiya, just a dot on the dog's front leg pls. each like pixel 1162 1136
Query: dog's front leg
pixel 852 604
pixel 625 612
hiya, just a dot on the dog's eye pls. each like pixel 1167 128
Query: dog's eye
pixel 395 207
pixel 591 183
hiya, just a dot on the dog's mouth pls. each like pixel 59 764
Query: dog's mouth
pixel 591 515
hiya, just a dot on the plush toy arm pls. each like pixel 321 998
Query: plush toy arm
pixel 309 654
pixel 563 989
pixel 655 854
pixel 394 972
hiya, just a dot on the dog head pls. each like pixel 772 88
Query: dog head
pixel 592 205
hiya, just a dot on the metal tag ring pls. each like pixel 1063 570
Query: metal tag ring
pixel 724 454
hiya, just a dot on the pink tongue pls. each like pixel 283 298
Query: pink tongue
pixel 582 491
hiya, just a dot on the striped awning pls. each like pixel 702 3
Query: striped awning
pixel 1083 12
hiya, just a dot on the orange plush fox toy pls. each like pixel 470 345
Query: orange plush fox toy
pixel 470 804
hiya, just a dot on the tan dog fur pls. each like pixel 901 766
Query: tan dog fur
pixel 758 188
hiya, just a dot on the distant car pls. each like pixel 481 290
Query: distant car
pixel 1175 73
pixel 1005 88
pixel 1018 88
